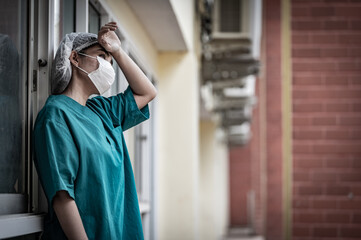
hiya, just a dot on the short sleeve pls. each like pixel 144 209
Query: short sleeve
pixel 122 109
pixel 56 158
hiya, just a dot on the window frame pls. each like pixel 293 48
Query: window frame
pixel 246 8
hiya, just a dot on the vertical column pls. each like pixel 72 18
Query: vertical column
pixel 272 27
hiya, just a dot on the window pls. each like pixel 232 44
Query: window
pixel 64 19
pixel 13 105
pixel 232 18
pixel 94 19
pixel 15 161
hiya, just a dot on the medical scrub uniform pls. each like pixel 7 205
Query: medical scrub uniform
pixel 81 149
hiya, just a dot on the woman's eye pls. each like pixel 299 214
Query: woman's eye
pixel 102 56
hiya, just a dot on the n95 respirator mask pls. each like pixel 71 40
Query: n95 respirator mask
pixel 103 77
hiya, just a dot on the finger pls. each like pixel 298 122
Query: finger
pixel 111 25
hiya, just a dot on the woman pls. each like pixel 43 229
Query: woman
pixel 80 152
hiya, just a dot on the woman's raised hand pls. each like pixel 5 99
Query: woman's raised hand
pixel 107 37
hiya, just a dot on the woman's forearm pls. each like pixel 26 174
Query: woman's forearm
pixel 68 216
pixel 143 89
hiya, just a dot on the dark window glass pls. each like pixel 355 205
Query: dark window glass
pixel 64 19
pixel 68 8
pixel 230 11
pixel 13 69
pixel 94 20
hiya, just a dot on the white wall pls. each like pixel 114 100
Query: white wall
pixel 184 11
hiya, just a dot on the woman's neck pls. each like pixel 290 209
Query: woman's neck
pixel 79 89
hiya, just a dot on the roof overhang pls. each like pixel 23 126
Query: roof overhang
pixel 161 23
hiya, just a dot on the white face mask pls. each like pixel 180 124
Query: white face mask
pixel 103 77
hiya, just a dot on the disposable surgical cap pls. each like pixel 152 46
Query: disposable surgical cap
pixel 61 68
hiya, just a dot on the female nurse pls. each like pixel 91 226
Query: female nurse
pixel 80 153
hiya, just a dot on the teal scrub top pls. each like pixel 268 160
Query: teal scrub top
pixel 81 149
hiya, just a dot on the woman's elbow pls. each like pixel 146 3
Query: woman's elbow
pixel 153 94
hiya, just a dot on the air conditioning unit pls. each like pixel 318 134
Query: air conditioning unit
pixel 238 19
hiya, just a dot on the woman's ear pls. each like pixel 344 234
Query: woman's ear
pixel 74 58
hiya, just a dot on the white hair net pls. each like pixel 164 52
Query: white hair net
pixel 61 68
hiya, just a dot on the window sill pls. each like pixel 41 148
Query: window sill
pixel 13 225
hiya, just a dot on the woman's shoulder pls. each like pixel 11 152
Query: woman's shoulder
pixel 54 110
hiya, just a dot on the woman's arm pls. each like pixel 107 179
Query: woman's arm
pixel 68 216
pixel 142 88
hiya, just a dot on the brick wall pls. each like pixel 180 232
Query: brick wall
pixel 273 113
pixel 246 168
pixel 326 58
pixel 240 184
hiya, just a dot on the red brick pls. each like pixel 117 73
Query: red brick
pixel 356 191
pixel 336 52
pixel 356 25
pixel 300 39
pixel 300 11
pixel 301 231
pixel 322 94
pixel 324 121
pixel 350 120
pixel 337 148
pixel 354 52
pixel 328 39
pixel 310 190
pixel 333 190
pixel 314 66
pixel 306 25
pixel 337 107
pixel 305 163
pixel 307 81
pixel 351 232
pixel 301 121
pixel 356 218
pixel 322 11
pixel 336 80
pixel 308 217
pixel 357 163
pixel 350 204
pixel 305 134
pixel 355 134
pixel 348 11
pixel 337 134
pixel 324 204
pixel 337 218
pixel 306 53
pixel 335 25
pixel 301 203
pixel 317 176
pixel 325 232
pixel 301 176
pixel 297 148
pixel 338 163
pixel 348 66
pixel 307 107
pixel 350 177
pixel 356 107
pixel 349 38
pixel 355 80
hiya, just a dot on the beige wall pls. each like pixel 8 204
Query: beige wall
pixel 178 95
pixel 213 184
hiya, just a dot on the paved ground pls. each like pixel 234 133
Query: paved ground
pixel 241 234
pixel 244 238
